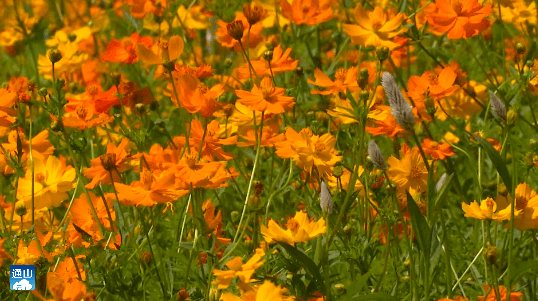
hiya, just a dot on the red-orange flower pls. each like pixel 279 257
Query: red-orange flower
pixel 124 51
pixel 195 96
pixel 228 41
pixel 266 98
pixel 309 12
pixel 437 150
pixel 280 62
pixel 343 79
pixel 460 19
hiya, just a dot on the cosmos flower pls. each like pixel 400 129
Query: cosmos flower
pixel 299 228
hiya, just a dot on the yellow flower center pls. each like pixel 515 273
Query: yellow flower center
pixel 82 112
pixel 376 25
pixel 490 204
pixel 416 173
pixel 521 202
pixel 340 74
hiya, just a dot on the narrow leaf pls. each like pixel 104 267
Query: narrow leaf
pixel 307 263
pixel 420 227
pixel 497 161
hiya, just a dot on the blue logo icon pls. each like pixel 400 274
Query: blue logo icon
pixel 22 277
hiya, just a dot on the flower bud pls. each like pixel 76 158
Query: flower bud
pixel 376 155
pixel 21 210
pixel 183 295
pixel 382 53
pixel 520 48
pixel 235 216
pixel 43 92
pixel 348 229
pixel 228 62
pixel 511 117
pixel 502 189
pixel 325 202
pixel 116 77
pixel 299 71
pixel 71 36
pixel 339 289
pixel 338 171
pixel 141 108
pixel 56 126
pixel 55 56
pixel 235 29
pixel 491 253
pixel 137 230
pixel 268 55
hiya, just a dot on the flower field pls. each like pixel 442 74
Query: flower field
pixel 269 150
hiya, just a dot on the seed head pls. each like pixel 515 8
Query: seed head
pixel 497 106
pixel 55 55
pixel 401 110
pixel 235 29
pixel 376 155
pixel 254 13
pixel 326 200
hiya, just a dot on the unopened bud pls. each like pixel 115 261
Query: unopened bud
pixel 137 230
pixel 511 117
pixel 382 53
pixel 141 108
pixel 338 171
pixel 228 62
pixel 339 289
pixel 116 77
pixel 21 210
pixel 56 125
pixel 268 55
pixel 348 229
pixel 299 71
pixel 502 189
pixel 71 36
pixel 491 254
pixel 520 48
pixel 43 92
pixel 183 295
pixel 235 216
pixel 55 55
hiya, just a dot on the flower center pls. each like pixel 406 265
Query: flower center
pixel 39 178
pixel 267 87
pixel 433 79
pixel 457 6
pixel 82 112
pixel 521 202
pixel 340 74
pixel 202 87
pixel 92 90
pixel 146 177
pixel 108 161
pixel 376 25
pixel 293 225
pixel 416 173
pixel 191 159
pixel 319 146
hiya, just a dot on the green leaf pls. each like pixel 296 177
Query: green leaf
pixel 356 287
pixel 420 227
pixel 431 195
pixel 522 267
pixel 306 262
pixel 497 161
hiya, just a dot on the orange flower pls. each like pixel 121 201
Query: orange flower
pixel 409 172
pixel 514 296
pixel 388 127
pixel 83 117
pixel 168 51
pixel 150 190
pixel 309 12
pixel 309 150
pixel 194 173
pixel 437 150
pixel 195 96
pixel 139 8
pixel 7 115
pixel 95 97
pixel 82 219
pixel 526 202
pixel 229 42
pixel 373 29
pixel 125 51
pixel 64 284
pixel 343 79
pixel 280 62
pixel 115 160
pixel 432 85
pixel 266 98
pixel 212 146
pixel 269 137
pixel 460 19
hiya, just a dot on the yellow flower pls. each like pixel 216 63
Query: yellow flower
pixel 238 269
pixel 299 229
pixel 52 181
pixel 526 214
pixel 373 29
pixel 409 172
pixel 264 292
pixel 486 210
